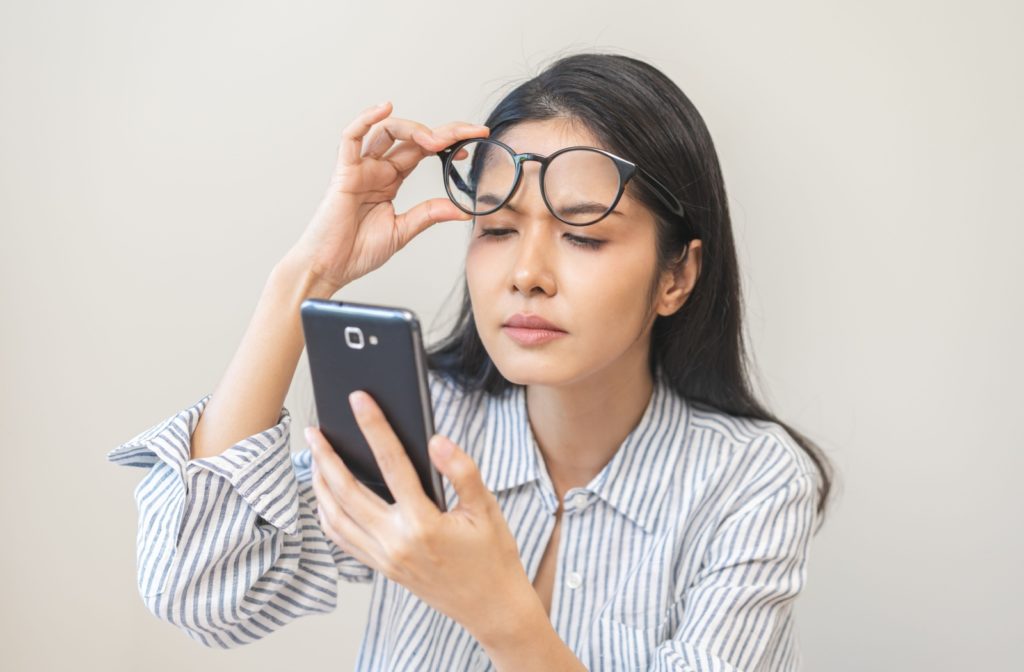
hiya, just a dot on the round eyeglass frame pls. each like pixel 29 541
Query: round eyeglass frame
pixel 627 169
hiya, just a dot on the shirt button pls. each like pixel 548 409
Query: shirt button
pixel 579 500
pixel 574 580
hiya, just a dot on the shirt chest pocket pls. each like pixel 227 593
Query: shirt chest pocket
pixel 638 615
pixel 628 630
pixel 644 595
pixel 620 646
pixel 646 610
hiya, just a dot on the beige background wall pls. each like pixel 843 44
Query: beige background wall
pixel 157 158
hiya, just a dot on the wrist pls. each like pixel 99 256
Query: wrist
pixel 295 276
pixel 527 640
pixel 516 625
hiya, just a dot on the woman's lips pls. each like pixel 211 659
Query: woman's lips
pixel 524 336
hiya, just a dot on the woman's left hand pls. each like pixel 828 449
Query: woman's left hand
pixel 464 562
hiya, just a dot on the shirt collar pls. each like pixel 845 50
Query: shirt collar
pixel 634 481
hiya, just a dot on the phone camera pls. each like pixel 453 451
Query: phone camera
pixel 354 338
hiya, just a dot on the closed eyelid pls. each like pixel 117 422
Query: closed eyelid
pixel 586 242
pixel 587 233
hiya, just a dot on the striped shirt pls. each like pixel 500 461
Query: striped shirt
pixel 685 552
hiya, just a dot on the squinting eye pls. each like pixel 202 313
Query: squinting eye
pixel 578 241
pixel 590 243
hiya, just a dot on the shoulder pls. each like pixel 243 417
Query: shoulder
pixel 753 456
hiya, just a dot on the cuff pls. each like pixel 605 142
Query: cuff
pixel 259 467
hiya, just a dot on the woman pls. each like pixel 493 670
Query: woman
pixel 618 499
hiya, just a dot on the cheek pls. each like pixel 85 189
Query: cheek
pixel 605 301
pixel 474 277
pixel 481 285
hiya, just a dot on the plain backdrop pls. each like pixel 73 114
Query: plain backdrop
pixel 156 159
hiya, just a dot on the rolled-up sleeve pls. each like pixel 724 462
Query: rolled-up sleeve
pixel 738 611
pixel 229 548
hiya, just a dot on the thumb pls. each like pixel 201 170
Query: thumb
pixel 416 219
pixel 459 468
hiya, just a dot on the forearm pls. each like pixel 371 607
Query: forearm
pixel 262 582
pixel 530 642
pixel 250 395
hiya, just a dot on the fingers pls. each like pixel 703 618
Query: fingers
pixel 341 528
pixel 416 140
pixel 416 219
pixel 346 489
pixel 395 465
pixel 352 137
pixel 449 134
pixel 462 471
pixel 387 131
pixel 380 141
pixel 407 155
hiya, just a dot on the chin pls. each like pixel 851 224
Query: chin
pixel 530 368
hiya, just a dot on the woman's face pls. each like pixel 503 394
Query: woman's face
pixel 597 295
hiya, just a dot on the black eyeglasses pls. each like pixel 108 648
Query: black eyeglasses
pixel 579 185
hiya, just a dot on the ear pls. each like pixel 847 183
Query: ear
pixel 678 282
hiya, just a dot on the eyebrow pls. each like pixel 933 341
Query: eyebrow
pixel 582 208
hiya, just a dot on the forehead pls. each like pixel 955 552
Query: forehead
pixel 547 136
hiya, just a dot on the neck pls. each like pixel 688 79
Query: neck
pixel 580 426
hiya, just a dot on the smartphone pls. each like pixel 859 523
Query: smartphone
pixel 379 349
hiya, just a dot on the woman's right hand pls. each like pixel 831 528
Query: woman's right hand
pixel 355 229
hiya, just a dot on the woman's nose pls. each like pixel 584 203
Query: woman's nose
pixel 531 273
pixel 533 266
pixel 533 255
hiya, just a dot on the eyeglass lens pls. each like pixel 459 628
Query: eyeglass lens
pixel 580 184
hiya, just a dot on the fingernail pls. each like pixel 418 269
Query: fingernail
pixel 358 400
pixel 384 104
pixel 309 434
pixel 442 447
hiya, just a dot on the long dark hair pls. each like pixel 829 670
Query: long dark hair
pixel 636 111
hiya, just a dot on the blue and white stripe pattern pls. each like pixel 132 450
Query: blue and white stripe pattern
pixel 685 552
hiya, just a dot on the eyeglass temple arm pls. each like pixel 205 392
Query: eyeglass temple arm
pixel 664 194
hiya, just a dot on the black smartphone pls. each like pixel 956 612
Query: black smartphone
pixel 379 349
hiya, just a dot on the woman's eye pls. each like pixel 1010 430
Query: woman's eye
pixel 578 241
pixel 590 243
